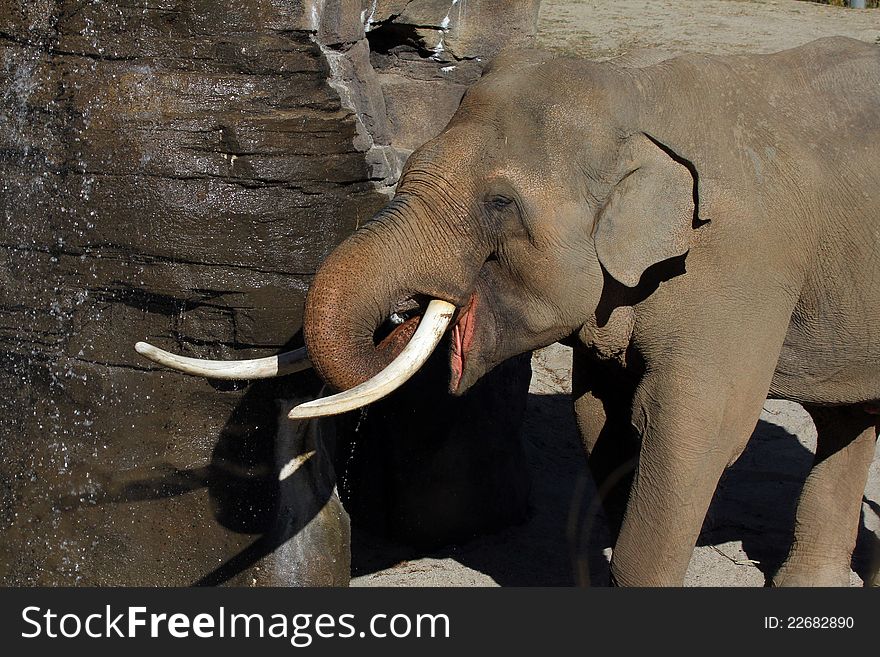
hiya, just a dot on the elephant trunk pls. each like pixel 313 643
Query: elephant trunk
pixel 385 268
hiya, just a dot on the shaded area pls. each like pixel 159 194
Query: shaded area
pixel 429 468
pixel 245 494
pixel 756 498
pixel 565 540
pixel 531 554
pixel 756 501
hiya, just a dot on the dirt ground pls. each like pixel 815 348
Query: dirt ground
pixel 746 533
pixel 605 28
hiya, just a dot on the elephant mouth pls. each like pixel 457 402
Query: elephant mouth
pixel 431 326
pixel 397 330
pixel 392 336
pixel 462 339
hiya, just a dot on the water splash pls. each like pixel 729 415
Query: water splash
pixel 49 222
pixel 445 26
pixel 346 477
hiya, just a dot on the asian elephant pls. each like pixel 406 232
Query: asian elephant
pixel 704 231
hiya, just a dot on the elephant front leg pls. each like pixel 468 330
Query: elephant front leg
pixel 691 430
pixel 829 508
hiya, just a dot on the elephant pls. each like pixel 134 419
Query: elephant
pixel 702 230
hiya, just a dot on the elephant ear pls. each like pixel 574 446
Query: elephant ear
pixel 649 214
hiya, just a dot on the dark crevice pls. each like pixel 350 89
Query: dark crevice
pixel 51 50
pixel 140 299
pixel 697 219
pixel 119 366
pixel 388 36
pixel 247 183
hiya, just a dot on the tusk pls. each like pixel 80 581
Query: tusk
pixel 427 335
pixel 295 464
pixel 229 370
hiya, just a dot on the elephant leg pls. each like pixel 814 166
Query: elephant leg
pixel 693 423
pixel 602 402
pixel 829 508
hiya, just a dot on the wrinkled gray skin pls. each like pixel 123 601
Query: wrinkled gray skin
pixel 705 231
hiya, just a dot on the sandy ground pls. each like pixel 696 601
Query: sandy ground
pixel 605 28
pixel 746 533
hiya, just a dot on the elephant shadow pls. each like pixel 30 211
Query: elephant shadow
pixel 756 503
pixel 565 540
pixel 251 495
pixel 532 553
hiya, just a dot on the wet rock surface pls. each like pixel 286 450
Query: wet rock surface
pixel 175 172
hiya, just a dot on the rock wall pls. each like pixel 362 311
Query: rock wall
pixel 426 53
pixel 175 171
pixel 406 65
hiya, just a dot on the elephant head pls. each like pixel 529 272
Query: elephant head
pixel 513 215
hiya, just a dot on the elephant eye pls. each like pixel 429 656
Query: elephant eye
pixel 499 202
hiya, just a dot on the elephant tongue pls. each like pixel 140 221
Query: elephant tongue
pixel 462 337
